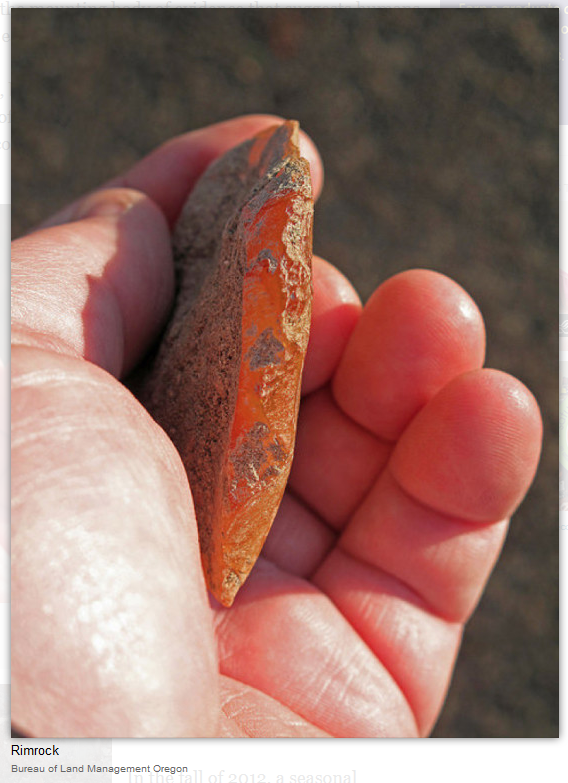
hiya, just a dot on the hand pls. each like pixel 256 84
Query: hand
pixel 409 460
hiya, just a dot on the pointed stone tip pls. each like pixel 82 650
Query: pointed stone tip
pixel 276 142
pixel 294 127
pixel 230 585
pixel 227 599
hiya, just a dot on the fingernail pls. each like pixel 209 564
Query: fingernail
pixel 101 204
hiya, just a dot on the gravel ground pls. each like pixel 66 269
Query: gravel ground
pixel 439 131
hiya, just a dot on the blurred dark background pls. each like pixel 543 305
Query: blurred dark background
pixel 439 132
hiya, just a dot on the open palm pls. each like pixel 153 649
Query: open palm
pixel 409 460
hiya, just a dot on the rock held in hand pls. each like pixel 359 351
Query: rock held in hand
pixel 225 384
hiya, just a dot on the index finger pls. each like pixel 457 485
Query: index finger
pixel 168 173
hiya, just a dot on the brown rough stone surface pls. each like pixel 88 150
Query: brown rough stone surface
pixel 226 381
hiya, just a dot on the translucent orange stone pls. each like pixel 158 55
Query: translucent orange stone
pixel 226 381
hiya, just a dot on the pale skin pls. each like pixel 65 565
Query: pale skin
pixel 410 460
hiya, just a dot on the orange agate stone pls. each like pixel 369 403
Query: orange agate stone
pixel 225 384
